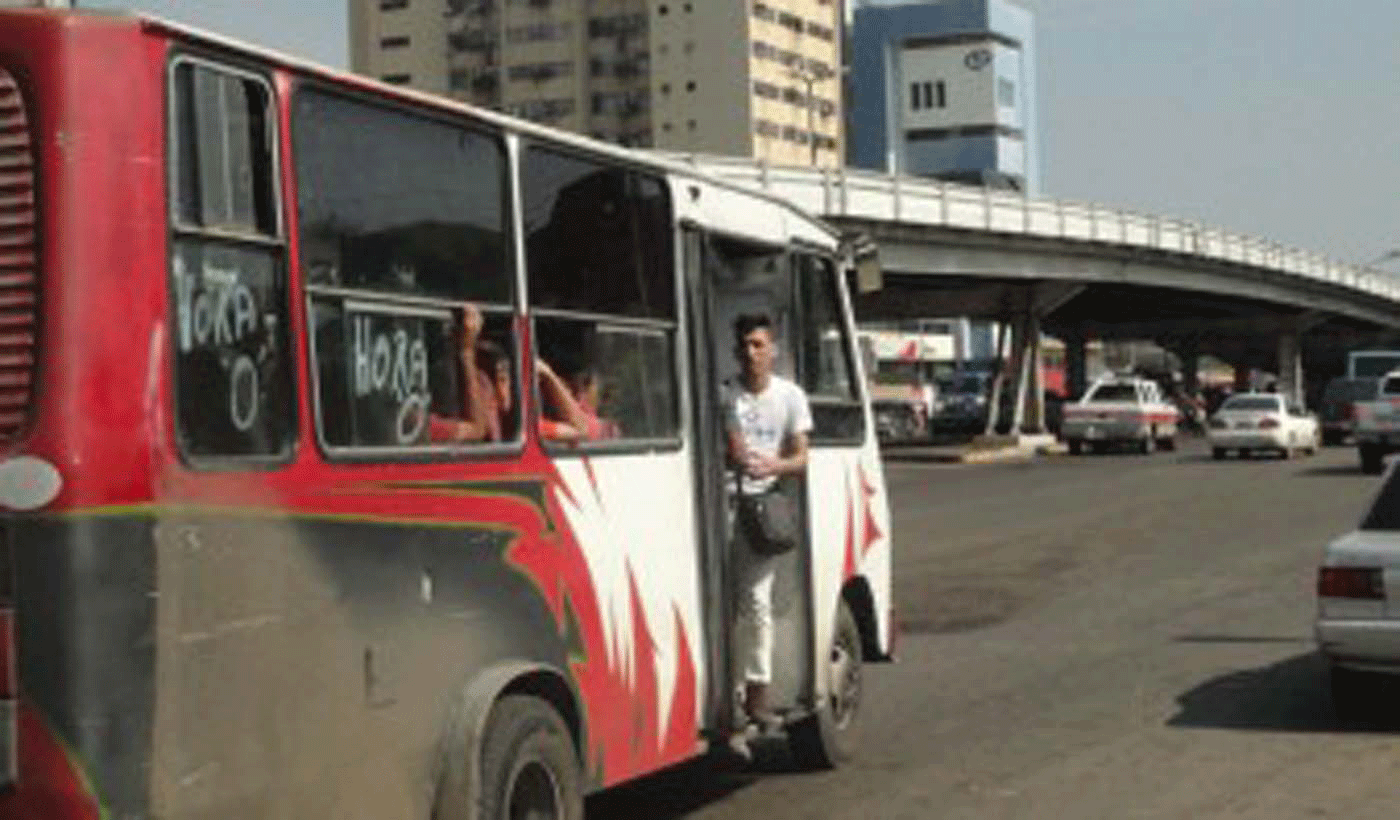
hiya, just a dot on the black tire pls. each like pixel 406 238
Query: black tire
pixel 1331 438
pixel 1167 444
pixel 1372 461
pixel 528 764
pixel 1075 447
pixel 826 738
pixel 1218 453
pixel 1245 452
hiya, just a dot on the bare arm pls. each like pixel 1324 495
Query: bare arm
pixel 557 394
pixel 473 426
pixel 793 460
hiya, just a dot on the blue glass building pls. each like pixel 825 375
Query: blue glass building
pixel 945 89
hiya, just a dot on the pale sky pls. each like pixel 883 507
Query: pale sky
pixel 1277 118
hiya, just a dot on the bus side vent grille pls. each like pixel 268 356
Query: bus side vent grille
pixel 19 272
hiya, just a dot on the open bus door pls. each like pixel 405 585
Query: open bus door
pixel 725 278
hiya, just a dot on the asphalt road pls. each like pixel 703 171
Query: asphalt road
pixel 1096 637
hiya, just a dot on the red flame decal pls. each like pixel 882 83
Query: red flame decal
pixel 621 698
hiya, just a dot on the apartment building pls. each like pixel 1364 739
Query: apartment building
pixel 743 77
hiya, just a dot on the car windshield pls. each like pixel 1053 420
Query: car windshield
pixel 1114 392
pixel 1385 510
pixel 963 384
pixel 1252 403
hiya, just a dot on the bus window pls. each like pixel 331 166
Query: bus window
pixel 402 220
pixel 824 363
pixel 602 290
pixel 233 383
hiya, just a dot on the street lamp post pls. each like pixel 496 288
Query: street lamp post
pixel 809 77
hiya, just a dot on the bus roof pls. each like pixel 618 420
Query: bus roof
pixel 646 159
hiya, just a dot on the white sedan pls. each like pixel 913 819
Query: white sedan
pixel 1358 605
pixel 1249 422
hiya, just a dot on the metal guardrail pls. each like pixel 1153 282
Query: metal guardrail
pixel 870 195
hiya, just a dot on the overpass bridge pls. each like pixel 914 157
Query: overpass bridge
pixel 1079 271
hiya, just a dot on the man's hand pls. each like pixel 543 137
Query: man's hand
pixel 761 465
pixel 471 328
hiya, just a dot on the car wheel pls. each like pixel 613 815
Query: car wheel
pixel 528 765
pixel 1331 438
pixel 1245 452
pixel 1076 447
pixel 1168 444
pixel 1217 453
pixel 1371 459
pixel 826 738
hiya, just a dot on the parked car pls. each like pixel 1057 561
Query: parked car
pixel 1120 409
pixel 1337 411
pixel 1377 430
pixel 897 420
pixel 1358 596
pixel 1250 422
pixel 963 403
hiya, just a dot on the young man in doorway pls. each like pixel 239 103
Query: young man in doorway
pixel 767 420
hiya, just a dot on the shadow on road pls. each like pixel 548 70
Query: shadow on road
pixel 686 788
pixel 1332 471
pixel 1289 696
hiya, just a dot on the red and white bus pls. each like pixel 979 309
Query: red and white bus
pixel 239 580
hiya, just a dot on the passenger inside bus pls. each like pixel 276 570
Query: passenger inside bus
pixel 571 405
pixel 487 398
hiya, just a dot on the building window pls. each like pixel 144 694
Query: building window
pixel 764 12
pixel 392 5
pixel 942 91
pixel 393 42
pixel 397 79
pixel 1006 92
pixel 539 32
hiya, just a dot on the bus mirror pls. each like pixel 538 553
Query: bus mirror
pixel 869 276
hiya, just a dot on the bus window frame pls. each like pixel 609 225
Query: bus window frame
pixel 623 444
pixel 846 315
pixel 674 326
pixel 399 304
pixel 513 268
pixel 178 230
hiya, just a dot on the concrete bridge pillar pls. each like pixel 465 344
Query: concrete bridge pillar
pixel 1028 410
pixel 1190 356
pixel 1076 364
pixel 1243 381
pixel 1290 367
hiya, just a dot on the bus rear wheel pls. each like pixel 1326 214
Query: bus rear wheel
pixel 528 766
pixel 826 738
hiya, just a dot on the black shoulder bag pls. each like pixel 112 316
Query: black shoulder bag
pixel 769 521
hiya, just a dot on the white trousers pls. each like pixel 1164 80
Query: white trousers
pixel 754 637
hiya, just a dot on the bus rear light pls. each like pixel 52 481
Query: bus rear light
pixel 1364 583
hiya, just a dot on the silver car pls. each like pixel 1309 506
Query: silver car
pixel 1358 603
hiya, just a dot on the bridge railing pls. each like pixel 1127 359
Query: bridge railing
pixel 869 195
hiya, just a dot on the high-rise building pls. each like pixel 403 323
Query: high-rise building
pixel 945 89
pixel 758 78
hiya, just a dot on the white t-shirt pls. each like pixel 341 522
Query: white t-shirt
pixel 765 420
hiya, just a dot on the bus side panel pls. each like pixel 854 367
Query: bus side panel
pixel 634 520
pixel 850 531
pixel 86 599
pixel 308 664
